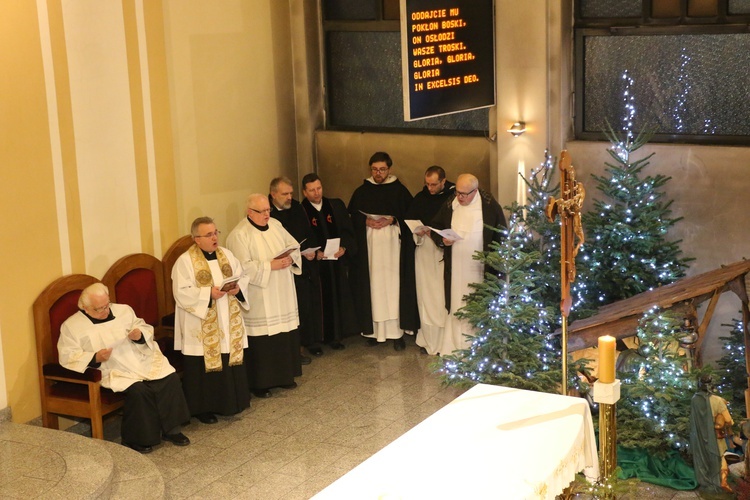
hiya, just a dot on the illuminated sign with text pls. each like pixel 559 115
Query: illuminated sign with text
pixel 447 56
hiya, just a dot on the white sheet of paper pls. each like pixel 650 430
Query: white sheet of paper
pixel 374 216
pixel 309 251
pixel 448 234
pixel 415 225
pixel 332 246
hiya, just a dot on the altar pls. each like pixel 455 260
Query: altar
pixel 491 442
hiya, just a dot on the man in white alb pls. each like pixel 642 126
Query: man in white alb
pixel 468 214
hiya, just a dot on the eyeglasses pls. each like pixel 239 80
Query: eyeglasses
pixel 380 170
pixel 209 235
pixel 463 195
pixel 266 211
pixel 102 308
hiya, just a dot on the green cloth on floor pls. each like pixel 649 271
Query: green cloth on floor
pixel 672 471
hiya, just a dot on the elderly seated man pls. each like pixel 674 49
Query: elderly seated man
pixel 111 338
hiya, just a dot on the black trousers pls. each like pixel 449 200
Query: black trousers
pixel 151 408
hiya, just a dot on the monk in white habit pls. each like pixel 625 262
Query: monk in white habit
pixel 110 338
pixel 270 257
pixel 382 273
pixel 468 214
pixel 428 259
pixel 210 294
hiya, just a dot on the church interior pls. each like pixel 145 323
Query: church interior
pixel 123 121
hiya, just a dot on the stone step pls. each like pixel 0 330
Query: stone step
pixel 48 464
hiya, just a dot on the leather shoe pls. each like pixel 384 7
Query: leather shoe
pixel 178 439
pixel 305 360
pixel 372 342
pixel 139 448
pixel 293 385
pixel 315 350
pixel 207 418
pixel 399 344
pixel 336 346
pixel 262 393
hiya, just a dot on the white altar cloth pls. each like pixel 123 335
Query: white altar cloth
pixel 491 442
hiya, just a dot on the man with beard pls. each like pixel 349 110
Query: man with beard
pixel 329 219
pixel 428 259
pixel 292 216
pixel 467 213
pixel 382 276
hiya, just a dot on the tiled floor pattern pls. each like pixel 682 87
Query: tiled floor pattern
pixel 349 404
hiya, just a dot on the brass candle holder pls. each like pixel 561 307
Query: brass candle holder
pixel 607 395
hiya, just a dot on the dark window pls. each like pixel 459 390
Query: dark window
pixel 363 72
pixel 689 61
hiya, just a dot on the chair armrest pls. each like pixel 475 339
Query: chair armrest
pixel 54 370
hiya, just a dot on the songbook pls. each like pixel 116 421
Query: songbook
pixel 288 250
pixel 229 283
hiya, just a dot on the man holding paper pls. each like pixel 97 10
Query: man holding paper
pixel 467 214
pixel 331 223
pixel 270 258
pixel 111 338
pixel 428 258
pixel 382 275
pixel 292 216
pixel 208 325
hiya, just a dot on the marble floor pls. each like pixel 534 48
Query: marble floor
pixel 349 404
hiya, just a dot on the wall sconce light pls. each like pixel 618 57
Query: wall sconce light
pixel 517 129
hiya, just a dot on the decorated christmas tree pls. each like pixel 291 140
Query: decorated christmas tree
pixel 654 410
pixel 513 346
pixel 627 249
pixel 732 373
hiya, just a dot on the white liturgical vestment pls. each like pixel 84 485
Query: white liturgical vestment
pixel 130 362
pixel 193 301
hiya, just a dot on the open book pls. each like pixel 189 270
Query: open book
pixel 285 253
pixel 375 216
pixel 229 283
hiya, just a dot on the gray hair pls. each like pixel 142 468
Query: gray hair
pixel 279 180
pixel 255 196
pixel 95 290
pixel 197 223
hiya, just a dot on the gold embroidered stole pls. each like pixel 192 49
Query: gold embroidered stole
pixel 210 334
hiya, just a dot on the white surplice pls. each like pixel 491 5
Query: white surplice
pixel 428 261
pixel 271 294
pixel 384 257
pixel 192 303
pixel 467 222
pixel 80 339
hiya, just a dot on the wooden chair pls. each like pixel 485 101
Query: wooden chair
pixel 138 281
pixel 63 391
pixel 178 248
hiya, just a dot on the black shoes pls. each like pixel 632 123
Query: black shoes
pixel 293 385
pixel 372 342
pixel 305 360
pixel 262 393
pixel 178 439
pixel 399 344
pixel 336 346
pixel 207 418
pixel 315 350
pixel 423 350
pixel 139 448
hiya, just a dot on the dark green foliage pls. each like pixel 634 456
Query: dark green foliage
pixel 627 250
pixel 732 373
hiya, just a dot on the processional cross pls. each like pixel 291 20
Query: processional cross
pixel 569 207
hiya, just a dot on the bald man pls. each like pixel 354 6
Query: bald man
pixel 466 213
pixel 270 258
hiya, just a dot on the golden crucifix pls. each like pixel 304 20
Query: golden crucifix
pixel 569 207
